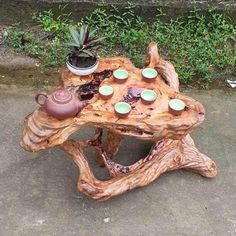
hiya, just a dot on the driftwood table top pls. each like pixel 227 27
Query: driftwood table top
pixel 145 121
pixel 148 122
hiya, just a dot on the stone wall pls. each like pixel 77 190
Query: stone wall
pixel 20 10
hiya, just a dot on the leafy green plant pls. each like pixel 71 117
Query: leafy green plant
pixel 54 54
pixel 51 23
pixel 198 45
pixel 18 38
pixel 84 43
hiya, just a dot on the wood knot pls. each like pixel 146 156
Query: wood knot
pixel 178 159
pixel 186 108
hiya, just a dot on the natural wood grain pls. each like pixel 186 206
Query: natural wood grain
pixel 147 122
pixel 166 155
pixel 172 147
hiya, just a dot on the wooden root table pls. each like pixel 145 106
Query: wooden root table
pixel 172 149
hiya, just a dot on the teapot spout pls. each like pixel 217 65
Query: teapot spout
pixel 82 104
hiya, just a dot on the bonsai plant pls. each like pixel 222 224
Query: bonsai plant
pixel 83 58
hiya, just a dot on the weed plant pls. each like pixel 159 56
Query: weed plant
pixel 197 44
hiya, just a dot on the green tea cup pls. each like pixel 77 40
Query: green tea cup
pixel 106 92
pixel 120 75
pixel 149 75
pixel 148 96
pixel 176 106
pixel 122 109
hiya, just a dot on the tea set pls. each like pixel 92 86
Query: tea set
pixel 63 104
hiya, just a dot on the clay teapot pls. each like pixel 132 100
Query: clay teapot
pixel 61 104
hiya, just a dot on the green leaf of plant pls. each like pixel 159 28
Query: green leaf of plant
pixel 94 42
pixel 91 34
pixel 75 35
pixel 88 52
pixel 83 55
pixel 86 35
pixel 86 29
pixel 72 44
pixel 82 34
pixel 92 46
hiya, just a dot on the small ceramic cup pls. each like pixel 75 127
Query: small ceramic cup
pixel 122 109
pixel 176 106
pixel 149 75
pixel 148 96
pixel 120 75
pixel 106 92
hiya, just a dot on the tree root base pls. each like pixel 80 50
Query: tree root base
pixel 165 155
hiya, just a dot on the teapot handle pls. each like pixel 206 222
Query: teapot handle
pixel 40 94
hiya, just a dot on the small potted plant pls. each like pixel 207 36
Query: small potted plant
pixel 83 58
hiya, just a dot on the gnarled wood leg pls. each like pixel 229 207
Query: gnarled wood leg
pixel 165 155
pixel 112 143
pixel 195 160
pixel 97 141
pixel 110 148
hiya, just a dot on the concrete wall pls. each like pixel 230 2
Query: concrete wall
pixel 21 10
pixel 222 4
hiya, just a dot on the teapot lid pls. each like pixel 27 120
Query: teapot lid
pixel 62 96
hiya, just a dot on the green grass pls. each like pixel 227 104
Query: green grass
pixel 197 44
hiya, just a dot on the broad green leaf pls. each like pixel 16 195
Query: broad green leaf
pixel 73 45
pixel 75 35
pixel 94 42
pixel 83 55
pixel 91 34
pixel 88 52
pixel 82 34
pixel 86 35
